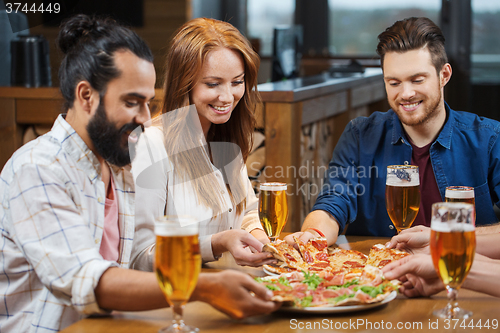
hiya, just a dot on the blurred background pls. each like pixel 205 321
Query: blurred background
pixel 333 32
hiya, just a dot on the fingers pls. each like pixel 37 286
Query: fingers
pixel 396 240
pixel 306 236
pixel 258 289
pixel 246 258
pixel 398 268
pixel 250 240
pixel 418 228
pixel 260 235
pixel 289 239
pixel 250 298
pixel 262 299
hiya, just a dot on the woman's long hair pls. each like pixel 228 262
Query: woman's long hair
pixel 188 52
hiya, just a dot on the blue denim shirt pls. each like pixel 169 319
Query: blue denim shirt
pixel 466 152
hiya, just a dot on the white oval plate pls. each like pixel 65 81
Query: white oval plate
pixel 339 309
pixel 269 272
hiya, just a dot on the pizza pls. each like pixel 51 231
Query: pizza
pixel 350 261
pixel 315 256
pixel 289 259
pixel 309 289
pixel 380 255
pixel 314 253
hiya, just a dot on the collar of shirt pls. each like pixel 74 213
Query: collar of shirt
pixel 74 145
pixel 444 137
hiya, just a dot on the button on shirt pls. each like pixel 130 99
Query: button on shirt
pixel 466 152
pixel 52 222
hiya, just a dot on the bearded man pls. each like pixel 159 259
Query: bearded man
pixel 67 198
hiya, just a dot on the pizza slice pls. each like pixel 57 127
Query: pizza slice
pixel 289 258
pixel 349 261
pixel 315 253
pixel 380 256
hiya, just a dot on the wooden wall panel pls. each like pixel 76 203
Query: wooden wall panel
pixel 11 134
pixel 38 111
pixel 282 130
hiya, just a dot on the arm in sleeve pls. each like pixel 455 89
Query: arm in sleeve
pixel 494 169
pixel 206 251
pixel 55 237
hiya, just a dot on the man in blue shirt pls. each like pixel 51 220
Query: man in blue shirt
pixel 450 147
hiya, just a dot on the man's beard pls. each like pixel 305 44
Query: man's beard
pixel 107 139
pixel 430 112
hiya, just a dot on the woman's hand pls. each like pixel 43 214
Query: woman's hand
pixel 240 243
pixel 260 235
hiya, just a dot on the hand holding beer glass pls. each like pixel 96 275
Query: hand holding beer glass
pixel 177 264
pixel 273 208
pixel 402 195
pixel 453 244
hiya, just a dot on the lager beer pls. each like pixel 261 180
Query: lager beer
pixel 273 208
pixel 452 245
pixel 453 253
pixel 177 263
pixel 402 195
pixel 460 194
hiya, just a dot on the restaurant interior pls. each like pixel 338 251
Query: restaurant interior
pixel 319 70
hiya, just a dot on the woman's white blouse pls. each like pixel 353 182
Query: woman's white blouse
pixel 152 172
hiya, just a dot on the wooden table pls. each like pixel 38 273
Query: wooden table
pixel 402 314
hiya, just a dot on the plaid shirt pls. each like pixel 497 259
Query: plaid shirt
pixel 51 219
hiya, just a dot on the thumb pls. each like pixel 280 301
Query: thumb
pixel 258 289
pixel 306 236
pixel 251 241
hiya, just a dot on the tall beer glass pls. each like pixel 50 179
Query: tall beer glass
pixel 402 195
pixel 453 244
pixel 460 194
pixel 177 264
pixel 273 208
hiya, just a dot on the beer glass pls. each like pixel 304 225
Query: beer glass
pixel 402 195
pixel 453 244
pixel 273 208
pixel 177 264
pixel 460 194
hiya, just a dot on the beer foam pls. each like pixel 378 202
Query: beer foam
pixel 273 187
pixel 459 194
pixel 451 226
pixel 165 230
pixel 176 226
pixel 402 183
pixel 392 180
pixel 398 175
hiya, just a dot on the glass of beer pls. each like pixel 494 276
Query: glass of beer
pixel 177 264
pixel 453 244
pixel 273 208
pixel 460 194
pixel 402 195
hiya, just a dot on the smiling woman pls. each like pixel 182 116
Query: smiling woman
pixel 219 87
pixel 206 130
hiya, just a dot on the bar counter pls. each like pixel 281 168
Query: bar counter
pixel 402 314
pixel 302 120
